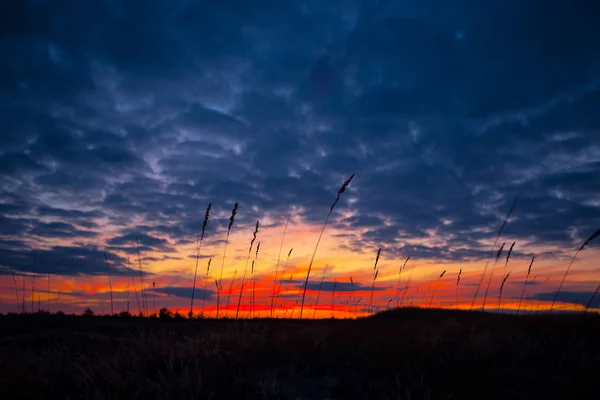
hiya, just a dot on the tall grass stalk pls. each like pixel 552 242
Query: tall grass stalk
pixel 48 303
pixel 589 303
pixel 457 283
pixel 487 289
pixel 112 310
pixel 237 312
pixel 402 267
pixel 583 246
pixel 501 289
pixel 142 288
pixel 342 189
pixel 254 263
pixel 512 246
pixel 33 286
pixel 354 296
pixel 137 299
pixel 154 298
pixel 23 292
pixel 319 291
pixel 218 286
pixel 57 297
pixel 204 287
pixel 512 208
pixel 278 260
pixel 230 291
pixel 525 284
pixel 282 274
pixel 14 276
pixel 333 298
pixel 435 287
pixel 406 286
pixel 198 249
pixel 375 273
pixel 220 283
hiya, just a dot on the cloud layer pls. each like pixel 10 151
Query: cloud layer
pixel 122 121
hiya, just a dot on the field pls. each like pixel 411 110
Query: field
pixel 399 354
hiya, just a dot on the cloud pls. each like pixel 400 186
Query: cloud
pixel 529 282
pixel 60 230
pixel 119 117
pixel 186 292
pixel 581 298
pixel 63 260
pixel 148 242
pixel 327 286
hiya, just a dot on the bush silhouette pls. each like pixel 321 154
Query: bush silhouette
pixel 165 313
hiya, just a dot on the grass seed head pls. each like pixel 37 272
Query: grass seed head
pixel 589 240
pixel 253 236
pixel 233 214
pixel 342 190
pixel 377 258
pixel 530 264
pixel 206 213
pixel 500 251
pixel 510 251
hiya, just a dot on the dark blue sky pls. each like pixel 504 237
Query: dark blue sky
pixel 127 117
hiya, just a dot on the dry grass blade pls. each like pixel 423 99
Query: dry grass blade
pixel 501 289
pixel 487 289
pixel 402 267
pixel 406 286
pixel 33 286
pixel 237 312
pixel 435 287
pixel 512 246
pixel 457 283
pixel 525 284
pixel 137 298
pixel 589 240
pixel 282 274
pixel 584 245
pixel 220 285
pixel 333 297
pixel 142 288
pixel 512 209
pixel 376 272
pixel 205 284
pixel 254 277
pixel 14 276
pixel 198 248
pixel 112 310
pixel 277 265
pixel 154 298
pixel 319 291
pixel 354 296
pixel 589 303
pixel 342 189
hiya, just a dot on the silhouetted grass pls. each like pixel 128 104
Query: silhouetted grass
pixel 312 259
pixel 219 283
pixel 400 354
pixel 525 284
pixel 583 246
pixel 198 249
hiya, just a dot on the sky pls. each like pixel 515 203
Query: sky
pixel 122 120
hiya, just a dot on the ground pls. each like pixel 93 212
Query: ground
pixel 402 354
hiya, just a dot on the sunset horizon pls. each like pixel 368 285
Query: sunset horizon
pixel 342 279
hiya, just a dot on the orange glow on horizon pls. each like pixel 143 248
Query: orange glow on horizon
pixel 417 286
